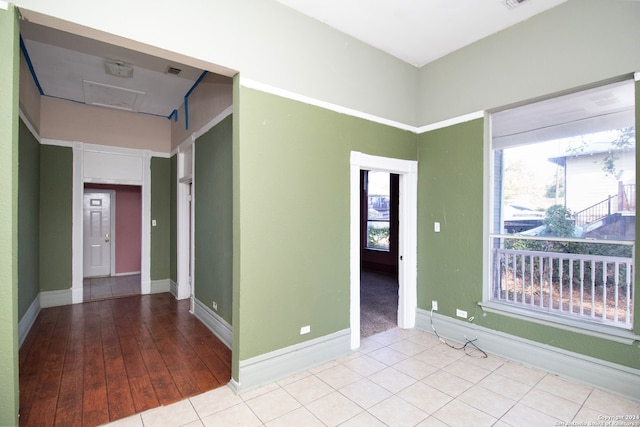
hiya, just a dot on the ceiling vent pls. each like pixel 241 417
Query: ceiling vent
pixel 173 70
pixel 510 4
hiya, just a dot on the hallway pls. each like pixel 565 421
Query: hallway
pixel 100 288
pixel 88 364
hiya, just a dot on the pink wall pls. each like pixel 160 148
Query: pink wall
pixel 128 226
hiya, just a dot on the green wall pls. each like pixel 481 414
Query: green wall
pixel 450 176
pixel 161 212
pixel 214 218
pixel 291 217
pixel 9 66
pixel 56 188
pixel 450 263
pixel 28 220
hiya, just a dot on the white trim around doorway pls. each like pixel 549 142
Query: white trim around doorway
pixel 100 164
pixel 407 237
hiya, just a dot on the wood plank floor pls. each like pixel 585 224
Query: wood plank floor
pixel 92 363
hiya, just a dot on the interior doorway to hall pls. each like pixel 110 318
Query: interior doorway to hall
pixel 112 239
pixel 379 205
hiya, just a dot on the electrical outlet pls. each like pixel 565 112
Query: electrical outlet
pixel 305 330
pixel 434 305
pixel 214 305
pixel 461 313
pixel 436 227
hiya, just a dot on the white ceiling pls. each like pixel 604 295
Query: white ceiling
pixel 419 31
pixel 416 31
pixel 73 68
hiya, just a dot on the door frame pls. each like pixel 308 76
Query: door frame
pixel 100 164
pixel 407 237
pixel 185 234
pixel 112 224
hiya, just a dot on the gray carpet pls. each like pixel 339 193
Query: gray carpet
pixel 378 303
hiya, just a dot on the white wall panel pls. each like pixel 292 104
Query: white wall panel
pixel 105 167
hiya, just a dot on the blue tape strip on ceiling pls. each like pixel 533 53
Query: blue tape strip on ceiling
pixel 23 48
pixel 186 99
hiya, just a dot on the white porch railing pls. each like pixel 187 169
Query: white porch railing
pixel 591 287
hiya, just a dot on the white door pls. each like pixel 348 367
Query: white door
pixel 97 234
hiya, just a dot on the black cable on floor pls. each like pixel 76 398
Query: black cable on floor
pixel 463 347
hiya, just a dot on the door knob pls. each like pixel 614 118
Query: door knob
pixel 106 237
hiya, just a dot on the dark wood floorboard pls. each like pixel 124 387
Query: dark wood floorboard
pixel 92 363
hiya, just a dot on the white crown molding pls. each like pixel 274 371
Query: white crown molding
pixel 450 122
pixel 27 121
pixel 252 84
pixel 97 148
pixel 60 143
pixel 184 145
pixel 213 122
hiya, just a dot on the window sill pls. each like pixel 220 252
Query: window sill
pixel 377 250
pixel 584 327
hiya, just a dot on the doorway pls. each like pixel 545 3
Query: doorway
pixel 407 171
pixel 112 239
pixel 379 252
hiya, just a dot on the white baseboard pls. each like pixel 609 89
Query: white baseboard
pixel 173 288
pixel 159 286
pixel 129 273
pixel 213 321
pixel 598 373
pixel 55 298
pixel 27 321
pixel 279 364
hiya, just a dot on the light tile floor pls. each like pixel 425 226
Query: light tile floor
pixel 401 378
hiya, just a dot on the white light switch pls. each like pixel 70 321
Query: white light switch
pixel 153 222
pixel 436 227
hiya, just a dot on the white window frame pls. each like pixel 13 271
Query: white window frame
pixel 580 326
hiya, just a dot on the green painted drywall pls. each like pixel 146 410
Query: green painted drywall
pixel 291 190
pixel 450 263
pixel 9 72
pixel 576 43
pixel 161 212
pixel 450 165
pixel 173 248
pixel 56 184
pixel 214 218
pixel 28 220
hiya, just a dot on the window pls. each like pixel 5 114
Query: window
pixel 564 207
pixel 378 190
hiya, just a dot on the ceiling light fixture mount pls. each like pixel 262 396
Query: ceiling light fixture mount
pixel 510 4
pixel 118 68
